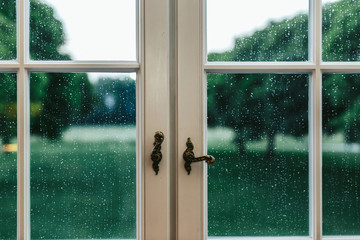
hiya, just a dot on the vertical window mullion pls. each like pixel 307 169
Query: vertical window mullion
pixel 23 196
pixel 23 156
pixel 316 121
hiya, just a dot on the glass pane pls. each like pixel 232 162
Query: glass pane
pixel 83 30
pixel 341 30
pixel 257 30
pixel 83 156
pixel 7 30
pixel 8 145
pixel 341 160
pixel 259 185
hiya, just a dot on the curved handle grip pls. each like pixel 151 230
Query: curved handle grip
pixel 189 157
pixel 156 154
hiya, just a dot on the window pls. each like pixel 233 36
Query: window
pixel 271 100
pixel 85 85
pixel 73 110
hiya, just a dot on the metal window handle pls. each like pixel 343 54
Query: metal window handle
pixel 189 157
pixel 156 154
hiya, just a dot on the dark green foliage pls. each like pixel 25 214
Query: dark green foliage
pixel 341 31
pixel 256 106
pixel 46 33
pixel 7 30
pixel 279 41
pixel 7 106
pixel 116 102
pixel 67 98
pixel 56 98
pixel 259 106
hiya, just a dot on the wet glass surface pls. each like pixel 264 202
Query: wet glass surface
pixel 244 31
pixel 83 156
pixel 341 30
pixel 8 148
pixel 259 185
pixel 83 30
pixel 341 148
pixel 7 30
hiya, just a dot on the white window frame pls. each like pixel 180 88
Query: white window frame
pixel 192 68
pixel 152 34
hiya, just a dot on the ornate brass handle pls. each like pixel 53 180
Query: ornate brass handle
pixel 156 154
pixel 189 157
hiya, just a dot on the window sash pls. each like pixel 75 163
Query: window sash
pixel 191 43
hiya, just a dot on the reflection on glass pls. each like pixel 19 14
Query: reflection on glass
pixel 8 156
pixel 7 30
pixel 257 30
pixel 83 156
pixel 341 160
pixel 259 185
pixel 341 30
pixel 83 30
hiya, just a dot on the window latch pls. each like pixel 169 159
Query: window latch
pixel 189 157
pixel 156 154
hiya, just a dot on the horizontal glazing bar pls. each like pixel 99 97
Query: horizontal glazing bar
pixel 259 238
pixel 279 67
pixel 287 238
pixel 9 66
pixel 340 67
pixel 6 66
pixel 341 238
pixel 82 66
pixel 259 67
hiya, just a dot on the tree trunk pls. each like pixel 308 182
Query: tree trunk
pixel 241 145
pixel 270 150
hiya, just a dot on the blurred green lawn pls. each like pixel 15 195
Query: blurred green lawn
pixel 86 189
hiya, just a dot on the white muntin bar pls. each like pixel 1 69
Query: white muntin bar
pixel 82 66
pixel 23 125
pixel 259 67
pixel 317 126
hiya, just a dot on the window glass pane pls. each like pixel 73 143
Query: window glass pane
pixel 8 156
pixel 341 160
pixel 259 185
pixel 83 156
pixel 83 30
pixel 7 30
pixel 257 30
pixel 341 30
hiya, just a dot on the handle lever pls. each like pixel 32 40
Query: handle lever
pixel 156 154
pixel 189 157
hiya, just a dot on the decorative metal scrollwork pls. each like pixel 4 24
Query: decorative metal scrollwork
pixel 189 157
pixel 156 154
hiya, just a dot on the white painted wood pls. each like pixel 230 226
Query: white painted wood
pixel 189 73
pixel 316 128
pixel 152 67
pixel 23 126
pixel 156 74
pixel 259 67
pixel 190 198
pixel 259 238
pixel 68 66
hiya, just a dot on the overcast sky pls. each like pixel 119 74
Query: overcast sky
pixel 106 29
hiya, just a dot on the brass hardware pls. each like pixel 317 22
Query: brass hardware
pixel 156 154
pixel 189 157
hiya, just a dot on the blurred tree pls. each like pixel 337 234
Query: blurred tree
pixel 116 102
pixel 55 98
pixel 257 104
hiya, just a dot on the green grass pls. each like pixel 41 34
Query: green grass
pixel 86 188
pixel 83 190
pixel 252 196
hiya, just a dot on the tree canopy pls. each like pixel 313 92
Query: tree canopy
pixel 262 105
pixel 55 98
